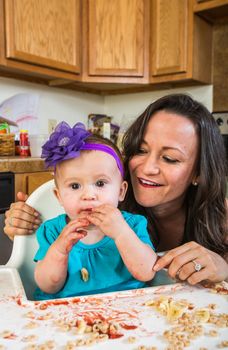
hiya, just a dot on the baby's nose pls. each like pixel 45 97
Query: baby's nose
pixel 88 195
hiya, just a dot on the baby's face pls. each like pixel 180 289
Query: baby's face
pixel 88 181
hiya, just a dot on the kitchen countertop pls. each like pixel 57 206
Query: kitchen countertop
pixel 19 164
pixel 148 318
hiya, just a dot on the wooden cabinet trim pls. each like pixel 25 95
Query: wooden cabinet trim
pixel 209 4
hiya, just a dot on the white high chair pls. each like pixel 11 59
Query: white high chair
pixel 25 247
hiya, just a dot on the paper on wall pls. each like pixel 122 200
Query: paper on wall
pixel 22 109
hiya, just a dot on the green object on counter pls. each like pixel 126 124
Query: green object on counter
pixel 5 126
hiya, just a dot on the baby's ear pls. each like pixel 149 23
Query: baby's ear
pixel 56 193
pixel 123 190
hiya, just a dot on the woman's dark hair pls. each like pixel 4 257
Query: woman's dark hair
pixel 206 211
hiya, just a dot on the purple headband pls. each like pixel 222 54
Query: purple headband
pixel 106 149
pixel 66 143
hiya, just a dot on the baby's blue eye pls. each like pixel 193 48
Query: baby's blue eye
pixel 100 183
pixel 75 186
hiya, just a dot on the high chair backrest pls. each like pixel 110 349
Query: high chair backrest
pixel 25 247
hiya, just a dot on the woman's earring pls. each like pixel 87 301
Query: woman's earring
pixel 195 183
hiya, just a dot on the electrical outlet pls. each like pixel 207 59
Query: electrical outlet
pixel 222 121
pixel 51 125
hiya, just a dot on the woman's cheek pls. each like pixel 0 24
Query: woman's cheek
pixel 133 163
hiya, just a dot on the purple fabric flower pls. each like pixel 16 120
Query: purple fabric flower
pixel 64 143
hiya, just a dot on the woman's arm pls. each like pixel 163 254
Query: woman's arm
pixel 194 263
pixel 21 219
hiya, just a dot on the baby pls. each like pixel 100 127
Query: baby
pixel 93 248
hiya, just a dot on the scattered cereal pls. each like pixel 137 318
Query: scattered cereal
pixel 213 333
pixel 131 339
pixel 29 338
pixel 223 344
pixel 31 325
pixel 84 274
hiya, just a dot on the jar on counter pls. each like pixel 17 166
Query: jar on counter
pixel 24 143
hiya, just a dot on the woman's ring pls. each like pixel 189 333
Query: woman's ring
pixel 197 266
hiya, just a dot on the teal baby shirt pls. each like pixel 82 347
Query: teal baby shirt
pixel 107 272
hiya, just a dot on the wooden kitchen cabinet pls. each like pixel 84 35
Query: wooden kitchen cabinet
pixel 117 41
pixel 181 43
pixel 43 37
pixel 103 46
pixel 28 182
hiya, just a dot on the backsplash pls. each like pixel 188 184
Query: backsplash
pixel 72 106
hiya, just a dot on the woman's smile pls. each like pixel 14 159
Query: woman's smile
pixel 148 183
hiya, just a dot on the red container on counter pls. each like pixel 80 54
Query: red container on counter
pixel 24 143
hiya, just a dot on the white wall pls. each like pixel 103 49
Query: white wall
pixel 125 108
pixel 72 106
pixel 55 103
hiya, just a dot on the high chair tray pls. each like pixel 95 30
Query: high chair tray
pixel 134 319
pixel 10 282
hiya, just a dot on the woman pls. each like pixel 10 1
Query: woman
pixel 175 167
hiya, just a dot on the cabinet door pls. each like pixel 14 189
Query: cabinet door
pixel 45 33
pixel 169 36
pixel 116 33
pixel 28 182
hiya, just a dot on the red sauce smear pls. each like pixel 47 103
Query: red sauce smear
pixel 128 326
pixel 19 302
pixel 11 336
pixel 76 300
pixel 58 302
pixel 44 306
pixel 115 336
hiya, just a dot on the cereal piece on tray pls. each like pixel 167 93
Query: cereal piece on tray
pixel 223 344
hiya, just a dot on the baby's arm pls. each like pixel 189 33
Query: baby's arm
pixel 50 273
pixel 138 256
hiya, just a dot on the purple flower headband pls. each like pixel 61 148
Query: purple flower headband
pixel 66 143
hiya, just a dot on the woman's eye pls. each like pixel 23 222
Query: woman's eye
pixel 141 151
pixel 170 160
pixel 100 183
pixel 75 186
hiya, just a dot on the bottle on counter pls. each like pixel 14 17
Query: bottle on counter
pixel 24 143
pixel 17 144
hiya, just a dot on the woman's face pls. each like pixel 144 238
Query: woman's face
pixel 165 165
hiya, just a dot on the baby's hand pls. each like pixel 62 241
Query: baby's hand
pixel 70 235
pixel 109 220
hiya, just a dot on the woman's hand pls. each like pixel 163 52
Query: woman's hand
pixel 21 219
pixel 193 263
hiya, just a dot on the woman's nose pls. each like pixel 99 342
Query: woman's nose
pixel 151 165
